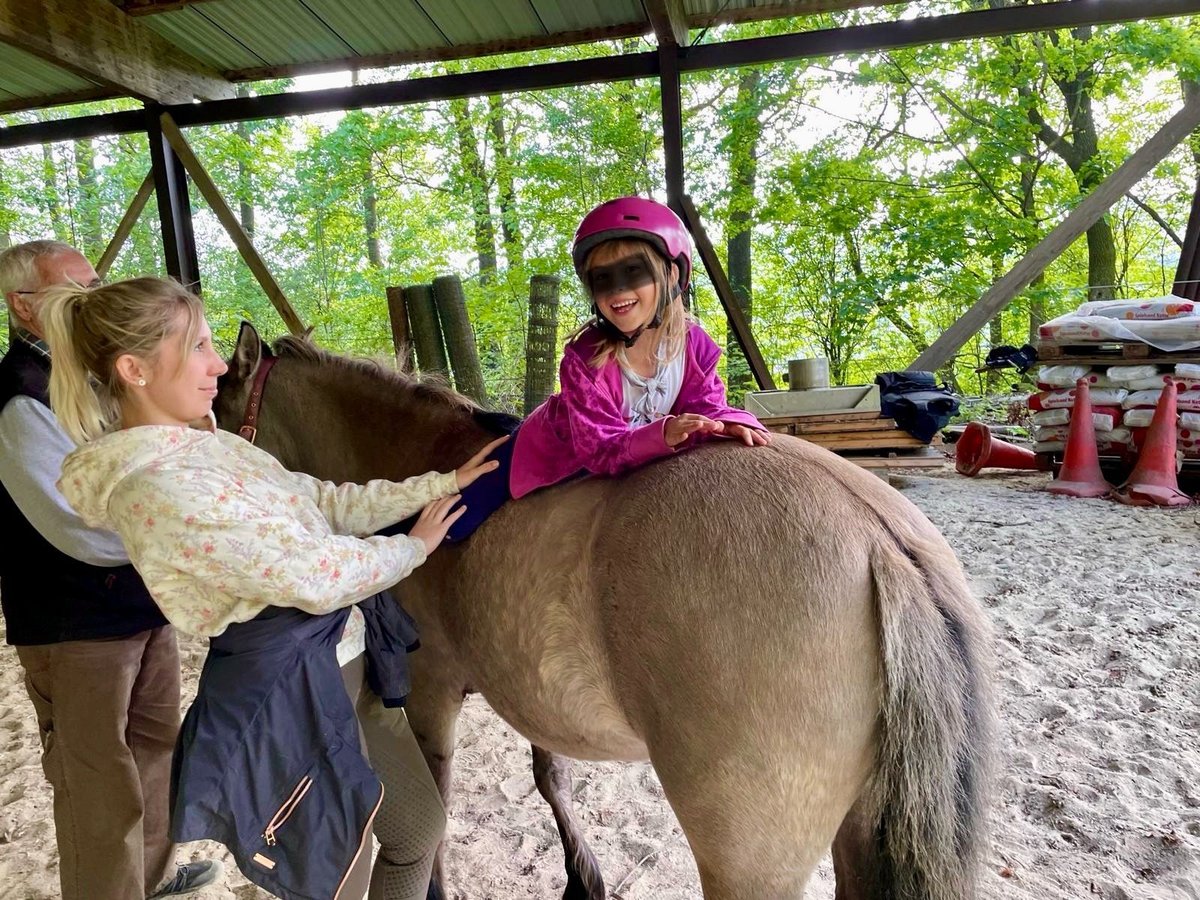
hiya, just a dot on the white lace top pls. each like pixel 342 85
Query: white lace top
pixel 649 399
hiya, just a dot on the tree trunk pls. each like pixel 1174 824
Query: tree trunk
pixel 371 219
pixel 1037 305
pixel 510 225
pixel 1191 87
pixel 541 342
pixel 1082 156
pixel 475 177
pixel 745 134
pixel 91 234
pixel 245 181
pixel 51 200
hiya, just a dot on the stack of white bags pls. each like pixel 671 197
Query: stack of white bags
pixel 1123 401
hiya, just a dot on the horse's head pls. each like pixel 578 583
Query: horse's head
pixel 346 419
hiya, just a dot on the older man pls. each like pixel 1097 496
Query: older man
pixel 101 663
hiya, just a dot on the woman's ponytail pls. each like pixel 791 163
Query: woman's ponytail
pixel 72 397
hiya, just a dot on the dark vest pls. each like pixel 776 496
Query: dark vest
pixel 47 596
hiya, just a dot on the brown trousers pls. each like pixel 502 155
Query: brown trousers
pixel 108 713
pixel 411 821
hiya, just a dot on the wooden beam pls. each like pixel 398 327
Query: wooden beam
pixel 174 206
pixel 928 30
pixel 726 15
pixel 95 40
pixel 669 21
pixel 87 95
pixel 448 52
pixel 212 194
pixel 150 7
pixel 671 93
pixel 716 274
pixel 1086 214
pixel 125 226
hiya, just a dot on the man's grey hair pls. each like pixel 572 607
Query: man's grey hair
pixel 18 265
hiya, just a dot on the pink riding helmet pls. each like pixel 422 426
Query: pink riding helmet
pixel 635 217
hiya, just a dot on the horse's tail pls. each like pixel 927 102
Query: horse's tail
pixel 930 798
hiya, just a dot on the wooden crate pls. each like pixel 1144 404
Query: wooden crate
pixel 865 438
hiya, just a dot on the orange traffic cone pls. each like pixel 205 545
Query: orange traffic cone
pixel 1080 474
pixel 976 449
pixel 1153 481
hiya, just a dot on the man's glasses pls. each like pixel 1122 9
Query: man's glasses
pixel 99 282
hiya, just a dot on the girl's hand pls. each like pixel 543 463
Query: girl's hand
pixel 475 466
pixel 744 434
pixel 680 428
pixel 435 520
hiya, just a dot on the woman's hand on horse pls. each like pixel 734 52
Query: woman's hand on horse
pixel 435 520
pixel 478 464
pixel 679 428
pixel 744 434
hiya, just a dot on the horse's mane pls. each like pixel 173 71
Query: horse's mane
pixel 431 387
pixel 427 387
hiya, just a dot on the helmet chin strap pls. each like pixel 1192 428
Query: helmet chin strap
pixel 611 331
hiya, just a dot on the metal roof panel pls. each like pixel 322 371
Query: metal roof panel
pixel 278 31
pixel 193 33
pixel 25 75
pixel 375 27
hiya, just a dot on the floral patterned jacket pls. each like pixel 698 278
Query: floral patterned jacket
pixel 220 530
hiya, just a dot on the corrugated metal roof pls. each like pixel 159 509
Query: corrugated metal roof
pixel 26 76
pixel 189 28
pixel 374 27
pixel 245 39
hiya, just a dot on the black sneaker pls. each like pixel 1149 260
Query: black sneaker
pixel 190 877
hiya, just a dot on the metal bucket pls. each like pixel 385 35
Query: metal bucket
pixel 806 374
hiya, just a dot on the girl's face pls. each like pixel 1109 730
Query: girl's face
pixel 623 285
pixel 181 383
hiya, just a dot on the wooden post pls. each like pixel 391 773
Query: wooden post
pixel 1081 218
pixel 541 341
pixel 451 306
pixel 716 274
pixel 1187 274
pixel 426 332
pixel 125 226
pixel 398 316
pixel 212 194
pixel 174 207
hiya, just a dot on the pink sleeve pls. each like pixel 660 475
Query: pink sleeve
pixel 703 391
pixel 590 419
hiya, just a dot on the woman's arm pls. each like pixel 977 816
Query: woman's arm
pixel 182 533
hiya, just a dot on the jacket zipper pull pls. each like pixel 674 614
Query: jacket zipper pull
pixel 269 836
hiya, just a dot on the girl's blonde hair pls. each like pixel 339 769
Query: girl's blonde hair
pixel 671 331
pixel 89 329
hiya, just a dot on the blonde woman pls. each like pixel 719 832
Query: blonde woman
pixel 281 572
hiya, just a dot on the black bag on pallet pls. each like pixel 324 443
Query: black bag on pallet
pixel 915 400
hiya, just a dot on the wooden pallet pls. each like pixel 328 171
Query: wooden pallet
pixel 900 461
pixel 849 433
pixel 1108 353
pixel 813 424
pixel 866 440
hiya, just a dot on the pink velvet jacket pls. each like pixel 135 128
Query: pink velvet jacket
pixel 581 428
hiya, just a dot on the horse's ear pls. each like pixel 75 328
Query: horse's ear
pixel 247 354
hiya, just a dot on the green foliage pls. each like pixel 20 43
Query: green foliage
pixel 891 190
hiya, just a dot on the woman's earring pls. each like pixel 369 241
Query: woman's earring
pixel 141 382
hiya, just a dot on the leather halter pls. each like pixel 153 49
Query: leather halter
pixel 249 429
